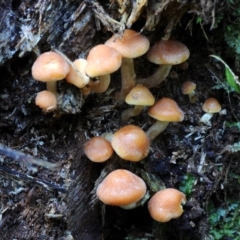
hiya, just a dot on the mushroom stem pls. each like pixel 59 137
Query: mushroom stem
pixel 156 129
pixel 206 118
pixel 157 77
pixel 131 112
pixel 52 87
pixel 192 97
pixel 128 78
pixel 102 85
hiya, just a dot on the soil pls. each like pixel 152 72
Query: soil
pixel 38 202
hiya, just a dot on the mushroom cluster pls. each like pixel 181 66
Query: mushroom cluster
pixel 130 143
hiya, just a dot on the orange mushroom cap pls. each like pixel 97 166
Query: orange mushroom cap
pixel 46 100
pixel 166 204
pixel 188 87
pixel 74 78
pixel 141 96
pixel 166 110
pixel 98 149
pixel 102 60
pixel 131 45
pixel 211 105
pixel 120 188
pixel 50 66
pixel 131 143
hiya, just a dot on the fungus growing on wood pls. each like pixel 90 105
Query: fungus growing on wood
pixel 165 53
pixel 76 79
pixel 164 111
pixel 102 61
pixel 140 97
pixel 121 188
pixel 166 205
pixel 46 100
pixel 210 106
pixel 98 149
pixel 131 45
pixel 188 88
pixel 50 67
pixel 131 143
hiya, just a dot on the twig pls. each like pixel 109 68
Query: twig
pixel 12 174
pixel 19 156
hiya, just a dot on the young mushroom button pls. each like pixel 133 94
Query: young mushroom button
pixel 164 53
pixel 166 205
pixel 46 101
pixel 165 110
pixel 131 143
pixel 121 188
pixel 102 61
pixel 131 45
pixel 139 96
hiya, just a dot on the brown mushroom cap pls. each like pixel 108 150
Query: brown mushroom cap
pixel 131 143
pixel 46 100
pixel 121 187
pixel 141 96
pixel 131 45
pixel 166 110
pixel 170 52
pixel 211 105
pixel 50 66
pixel 102 60
pixel 188 87
pixel 98 149
pixel 166 204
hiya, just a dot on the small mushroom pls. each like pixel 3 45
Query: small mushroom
pixel 102 61
pixel 165 53
pixel 50 67
pixel 131 143
pixel 166 205
pixel 46 100
pixel 210 106
pixel 165 110
pixel 188 88
pixel 79 80
pixel 131 45
pixel 121 188
pixel 140 97
pixel 98 149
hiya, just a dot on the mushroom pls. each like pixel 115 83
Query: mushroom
pixel 50 67
pixel 188 88
pixel 166 205
pixel 102 61
pixel 46 100
pixel 98 149
pixel 76 79
pixel 131 143
pixel 121 188
pixel 139 96
pixel 210 106
pixel 130 45
pixel 164 53
pixel 165 110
